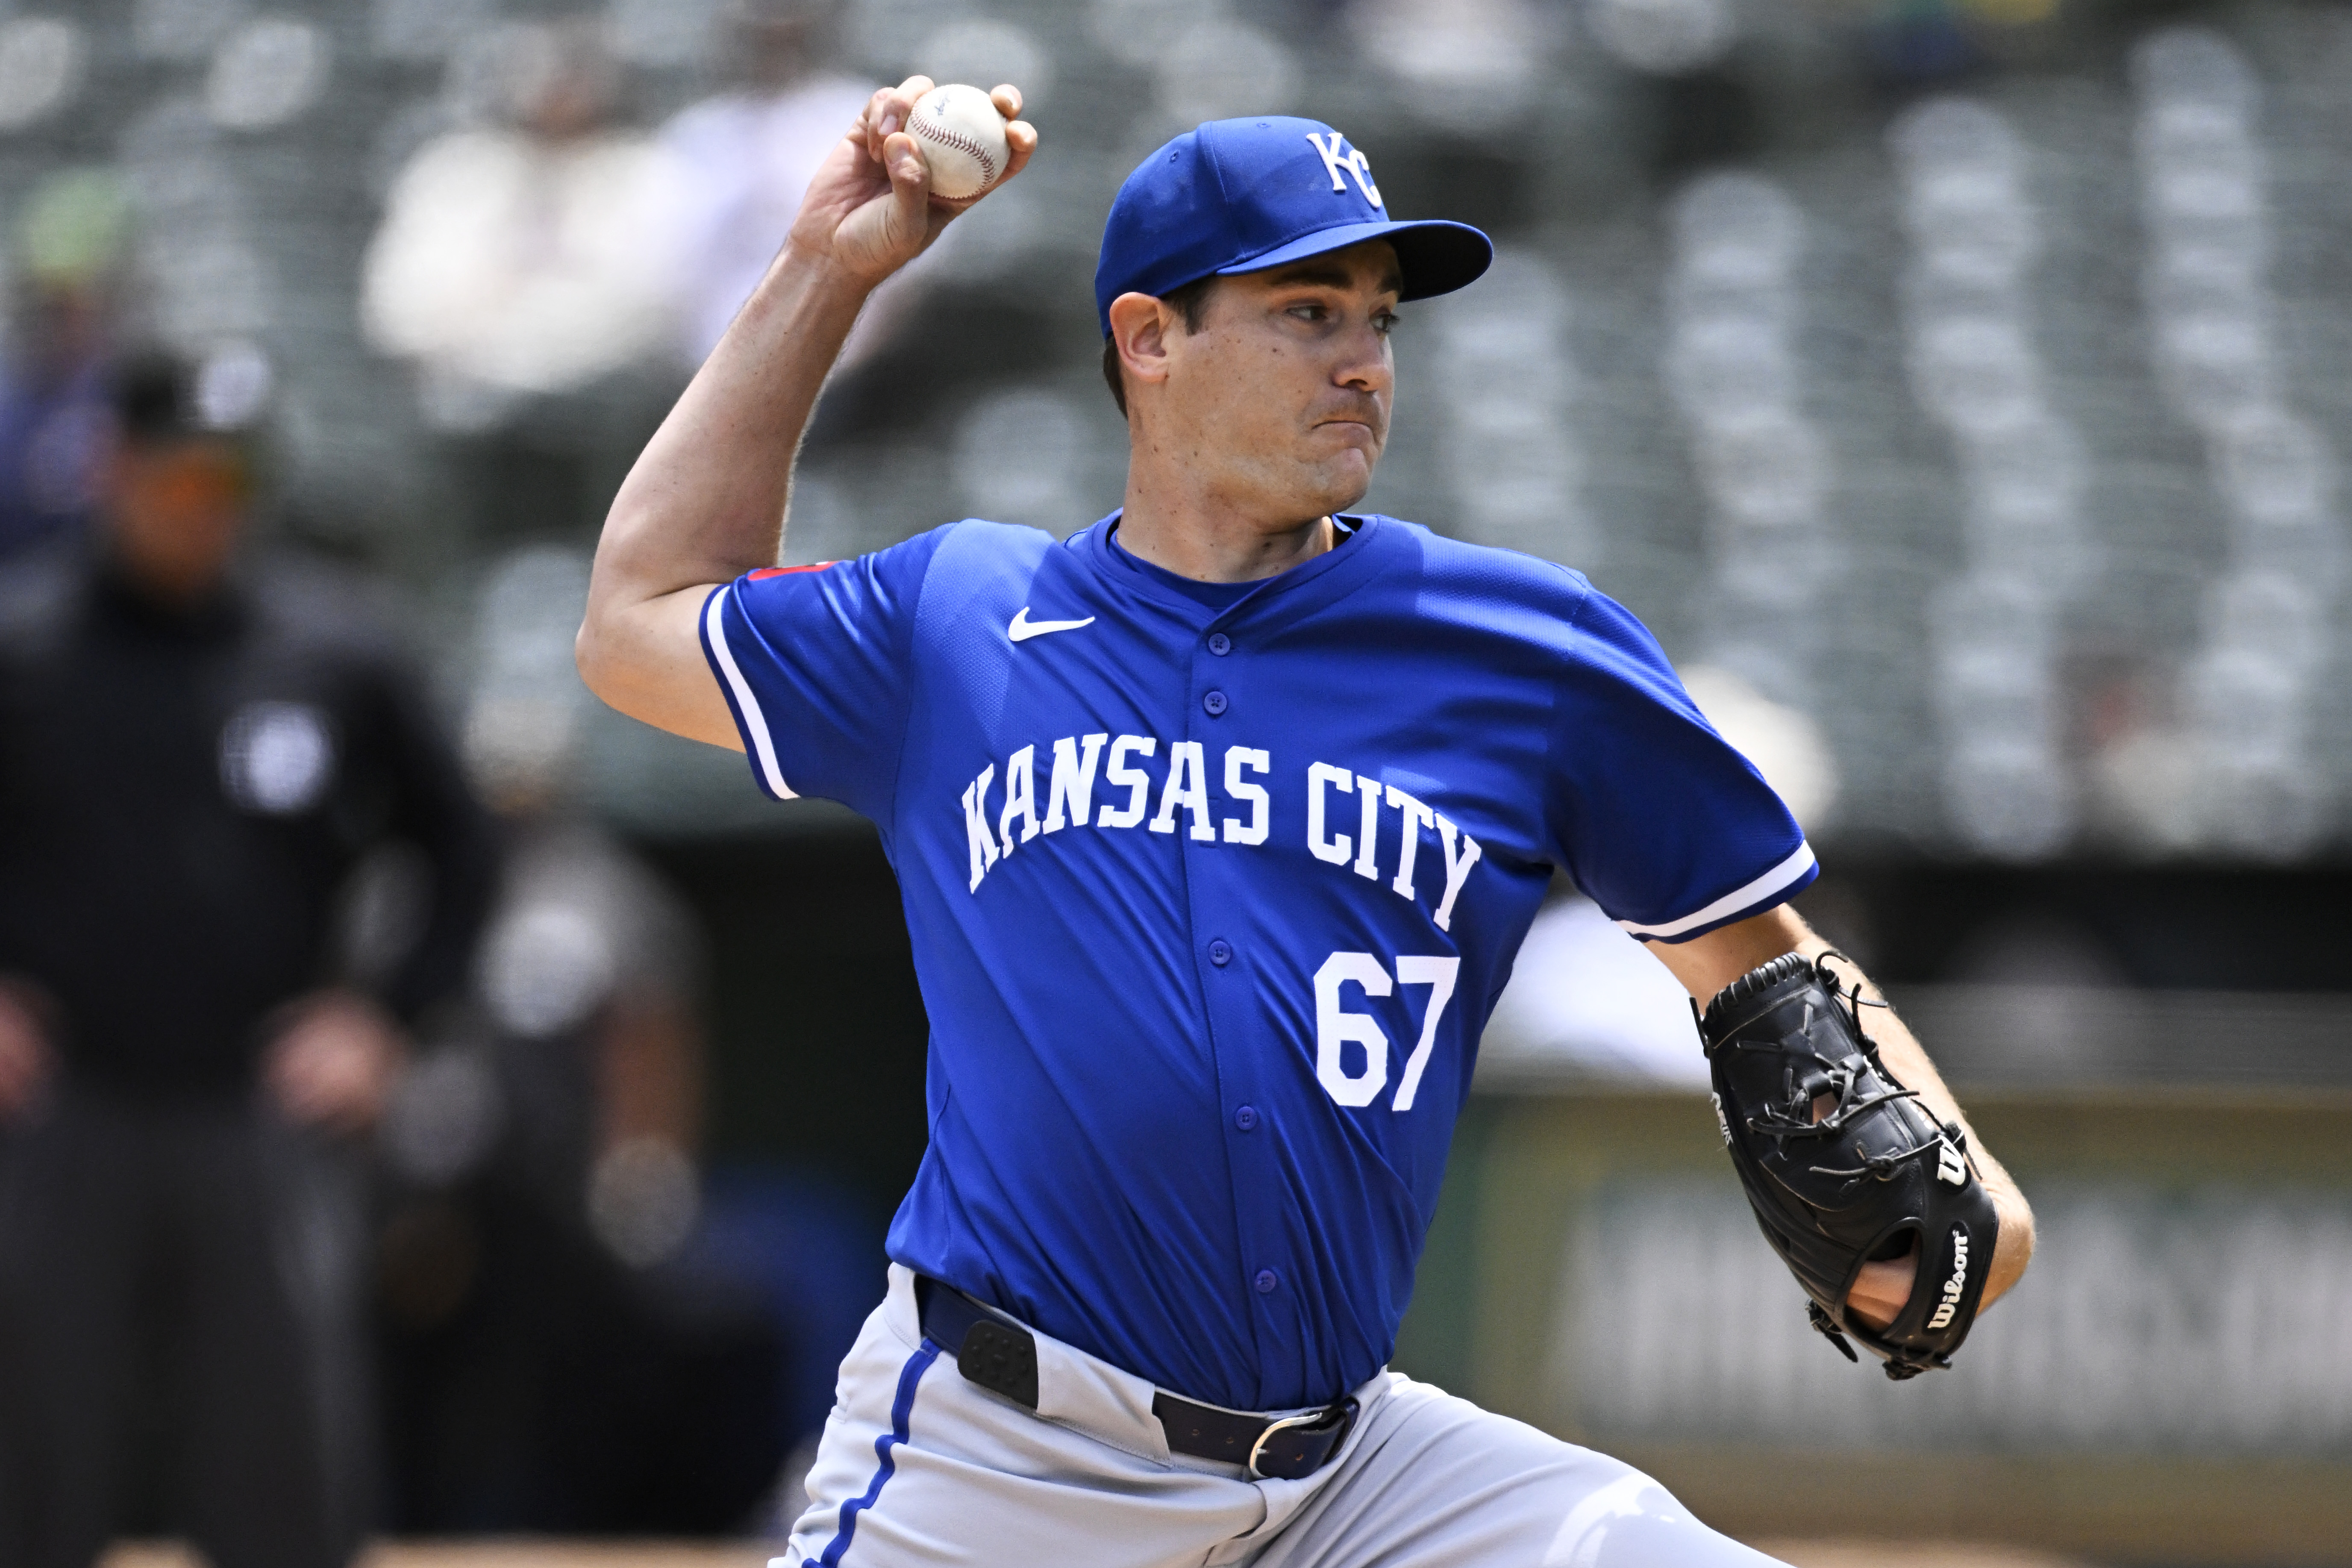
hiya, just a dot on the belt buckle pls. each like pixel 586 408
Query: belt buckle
pixel 1342 1415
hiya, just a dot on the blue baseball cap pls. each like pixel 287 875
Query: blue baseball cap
pixel 1240 195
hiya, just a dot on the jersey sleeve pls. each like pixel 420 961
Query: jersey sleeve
pixel 1660 820
pixel 816 665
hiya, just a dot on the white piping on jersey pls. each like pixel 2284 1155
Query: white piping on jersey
pixel 1739 899
pixel 748 705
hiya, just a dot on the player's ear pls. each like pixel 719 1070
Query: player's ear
pixel 1141 327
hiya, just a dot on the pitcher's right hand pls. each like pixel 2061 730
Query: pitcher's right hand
pixel 869 211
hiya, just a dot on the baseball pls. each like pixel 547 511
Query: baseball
pixel 962 138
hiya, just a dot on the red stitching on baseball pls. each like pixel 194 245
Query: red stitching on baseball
pixel 948 136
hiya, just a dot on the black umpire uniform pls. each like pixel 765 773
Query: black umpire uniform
pixel 187 787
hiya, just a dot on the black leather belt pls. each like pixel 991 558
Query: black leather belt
pixel 1000 1355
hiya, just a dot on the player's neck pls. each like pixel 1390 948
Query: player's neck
pixel 1211 543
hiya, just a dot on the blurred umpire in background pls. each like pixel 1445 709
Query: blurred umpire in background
pixel 196 751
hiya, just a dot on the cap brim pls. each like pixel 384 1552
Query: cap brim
pixel 1437 256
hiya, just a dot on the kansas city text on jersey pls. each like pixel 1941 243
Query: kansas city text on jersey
pixel 994 832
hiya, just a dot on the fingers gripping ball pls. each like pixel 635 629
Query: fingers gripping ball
pixel 1843 1165
pixel 962 138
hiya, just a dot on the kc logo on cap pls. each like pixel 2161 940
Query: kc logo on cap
pixel 1341 164
pixel 1242 195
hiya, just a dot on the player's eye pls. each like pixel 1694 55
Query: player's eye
pixel 1385 322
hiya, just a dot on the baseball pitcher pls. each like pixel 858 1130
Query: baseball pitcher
pixel 1219 823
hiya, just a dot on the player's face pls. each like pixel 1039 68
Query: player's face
pixel 1287 385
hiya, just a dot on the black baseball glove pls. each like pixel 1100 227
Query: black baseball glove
pixel 1842 1164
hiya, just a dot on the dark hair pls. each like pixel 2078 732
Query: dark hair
pixel 1191 303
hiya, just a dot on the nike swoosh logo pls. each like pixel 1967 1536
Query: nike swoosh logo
pixel 1022 628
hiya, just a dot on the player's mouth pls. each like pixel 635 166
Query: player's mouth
pixel 1346 423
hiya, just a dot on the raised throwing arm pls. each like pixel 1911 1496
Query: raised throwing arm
pixel 705 500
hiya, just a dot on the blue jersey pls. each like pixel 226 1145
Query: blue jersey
pixel 1210 904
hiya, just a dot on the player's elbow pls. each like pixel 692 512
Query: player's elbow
pixel 643 658
pixel 2014 1248
pixel 601 652
pixel 595 656
pixel 2018 1218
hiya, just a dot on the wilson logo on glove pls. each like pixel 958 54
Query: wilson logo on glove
pixel 1949 1166
pixel 1956 1283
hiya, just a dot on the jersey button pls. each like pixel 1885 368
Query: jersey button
pixel 1245 1118
pixel 1266 1280
pixel 1220 644
pixel 1221 952
pixel 1215 703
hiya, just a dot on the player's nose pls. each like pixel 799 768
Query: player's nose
pixel 1364 362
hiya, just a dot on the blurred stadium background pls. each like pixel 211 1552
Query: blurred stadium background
pixel 1960 388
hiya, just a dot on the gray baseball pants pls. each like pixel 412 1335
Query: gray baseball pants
pixel 919 1467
